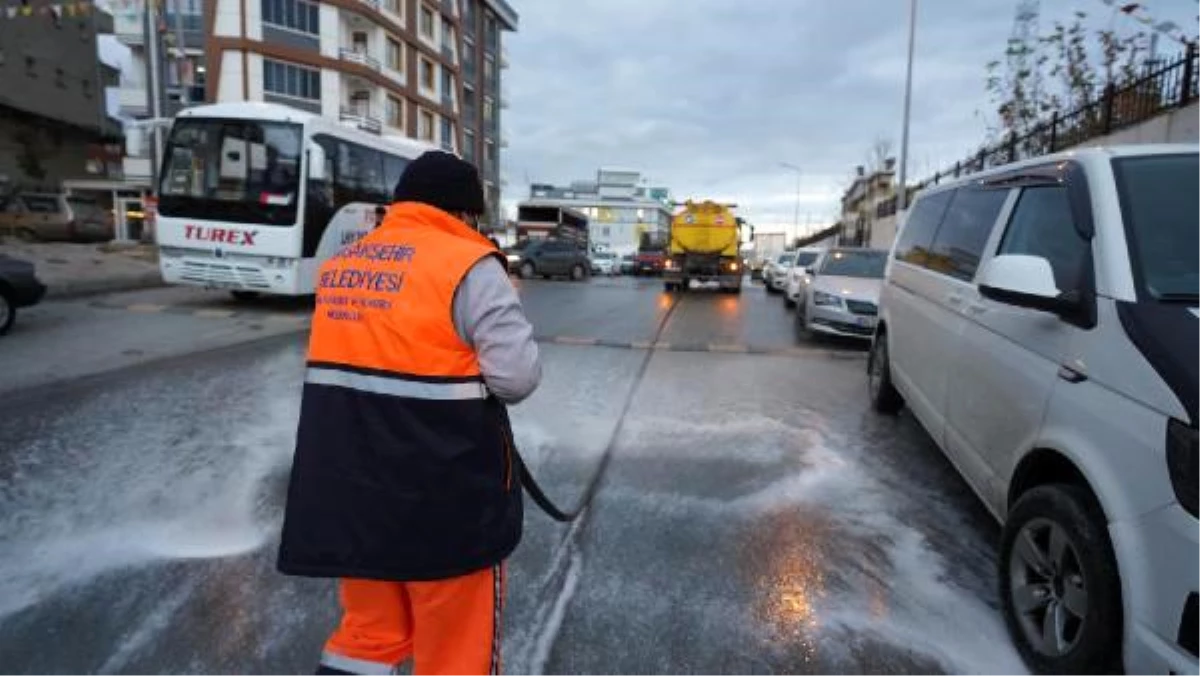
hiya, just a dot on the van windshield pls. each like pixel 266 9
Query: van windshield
pixel 1162 222
pixel 805 258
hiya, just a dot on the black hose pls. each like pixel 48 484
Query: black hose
pixel 531 485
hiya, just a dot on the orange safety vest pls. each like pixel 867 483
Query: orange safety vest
pixel 403 467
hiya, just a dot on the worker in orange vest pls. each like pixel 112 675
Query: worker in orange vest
pixel 404 483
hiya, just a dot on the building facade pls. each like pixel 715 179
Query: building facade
pixel 425 69
pixel 181 67
pixel 868 208
pixel 620 210
pixel 54 125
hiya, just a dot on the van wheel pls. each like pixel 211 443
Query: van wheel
pixel 1059 583
pixel 26 235
pixel 884 396
pixel 527 270
pixel 8 311
pixel 577 273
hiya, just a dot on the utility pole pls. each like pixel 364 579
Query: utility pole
pixel 153 61
pixel 180 58
pixel 796 213
pixel 902 183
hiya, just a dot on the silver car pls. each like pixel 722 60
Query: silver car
pixel 843 298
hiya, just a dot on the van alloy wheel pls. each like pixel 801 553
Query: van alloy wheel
pixel 1059 582
pixel 1048 587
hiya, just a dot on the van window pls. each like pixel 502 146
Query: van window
pixel 1042 225
pixel 916 237
pixel 805 258
pixel 959 243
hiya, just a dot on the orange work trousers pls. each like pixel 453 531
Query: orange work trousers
pixel 447 626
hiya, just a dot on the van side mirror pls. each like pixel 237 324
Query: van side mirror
pixel 316 163
pixel 811 270
pixel 1027 282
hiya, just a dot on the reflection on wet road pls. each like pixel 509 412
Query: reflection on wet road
pixel 756 517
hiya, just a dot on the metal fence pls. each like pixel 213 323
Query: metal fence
pixel 1161 88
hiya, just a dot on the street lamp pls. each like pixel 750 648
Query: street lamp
pixel 799 173
pixel 902 196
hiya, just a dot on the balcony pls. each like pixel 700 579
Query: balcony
pixel 361 119
pixel 359 57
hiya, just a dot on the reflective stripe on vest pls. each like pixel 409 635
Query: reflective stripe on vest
pixel 396 385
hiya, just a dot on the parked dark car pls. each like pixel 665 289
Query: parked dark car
pixel 552 257
pixel 628 264
pixel 19 287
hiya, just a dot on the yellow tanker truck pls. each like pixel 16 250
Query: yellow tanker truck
pixel 705 246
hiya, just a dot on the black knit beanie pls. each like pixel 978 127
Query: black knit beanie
pixel 441 180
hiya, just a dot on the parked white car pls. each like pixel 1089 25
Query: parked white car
pixel 1040 321
pixel 604 263
pixel 775 271
pixel 798 276
pixel 842 296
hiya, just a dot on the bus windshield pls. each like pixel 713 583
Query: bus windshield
pixel 244 171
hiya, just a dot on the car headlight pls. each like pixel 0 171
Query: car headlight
pixel 1182 463
pixel 822 298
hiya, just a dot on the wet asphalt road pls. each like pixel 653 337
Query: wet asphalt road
pixel 755 517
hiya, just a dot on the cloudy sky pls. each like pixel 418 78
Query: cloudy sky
pixel 708 97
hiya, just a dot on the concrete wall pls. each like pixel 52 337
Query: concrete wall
pixel 1177 126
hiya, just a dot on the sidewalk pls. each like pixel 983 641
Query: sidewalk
pixel 71 270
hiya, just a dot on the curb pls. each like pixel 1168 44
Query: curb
pixel 66 290
pixel 711 348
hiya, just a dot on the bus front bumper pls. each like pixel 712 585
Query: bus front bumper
pixel 263 274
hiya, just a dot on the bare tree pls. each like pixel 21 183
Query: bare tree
pixel 879 154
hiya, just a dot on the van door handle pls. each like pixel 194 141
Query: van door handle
pixel 955 299
pixel 976 308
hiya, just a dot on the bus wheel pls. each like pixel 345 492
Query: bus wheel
pixel 244 296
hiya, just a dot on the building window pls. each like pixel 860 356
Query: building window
pixel 489 153
pixel 447 82
pixel 296 15
pixel 468 13
pixel 425 126
pixel 468 150
pixel 469 99
pixel 489 109
pixel 395 55
pixel 287 79
pixel 428 74
pixel 447 134
pixel 394 6
pixel 426 22
pixel 468 51
pixel 395 112
pixel 447 32
pixel 491 33
pixel 489 69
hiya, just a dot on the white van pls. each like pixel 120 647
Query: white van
pixel 1040 321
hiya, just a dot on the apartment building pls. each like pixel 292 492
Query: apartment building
pixel 425 69
pixel 620 209
pixel 53 123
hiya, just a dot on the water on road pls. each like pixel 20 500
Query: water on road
pixel 756 516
